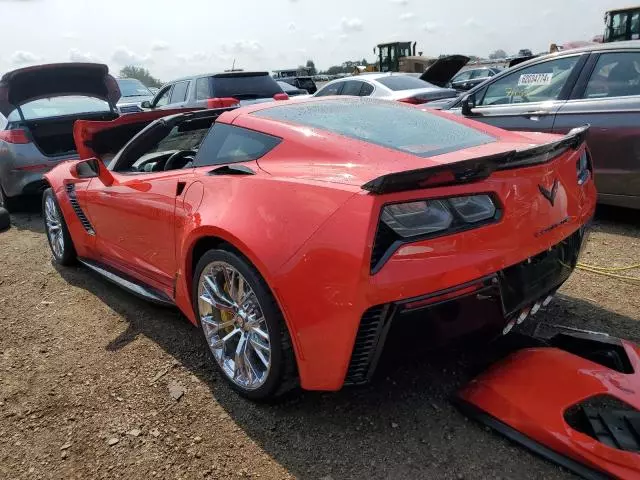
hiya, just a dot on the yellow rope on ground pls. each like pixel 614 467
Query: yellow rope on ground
pixel 607 271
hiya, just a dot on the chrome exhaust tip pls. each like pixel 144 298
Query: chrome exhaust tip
pixel 535 308
pixel 523 315
pixel 508 327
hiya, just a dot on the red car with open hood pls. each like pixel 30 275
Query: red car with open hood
pixel 295 233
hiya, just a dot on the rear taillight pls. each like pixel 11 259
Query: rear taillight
pixel 14 136
pixel 414 100
pixel 224 102
pixel 281 96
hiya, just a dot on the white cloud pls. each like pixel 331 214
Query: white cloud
pixel 348 25
pixel 70 35
pixel 242 47
pixel 22 57
pixel 429 27
pixel 400 2
pixel 471 23
pixel 318 36
pixel 407 16
pixel 160 46
pixel 123 56
pixel 291 27
pixel 342 37
pixel 76 55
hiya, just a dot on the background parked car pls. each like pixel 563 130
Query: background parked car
pixel 214 90
pixel 38 107
pixel 597 85
pixel 472 77
pixel 390 86
pixel 291 90
pixel 303 83
pixel 134 92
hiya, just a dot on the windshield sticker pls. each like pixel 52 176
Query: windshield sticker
pixel 534 79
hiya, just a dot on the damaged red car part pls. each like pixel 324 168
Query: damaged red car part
pixel 574 400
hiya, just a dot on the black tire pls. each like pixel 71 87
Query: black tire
pixel 5 219
pixel 8 203
pixel 282 376
pixel 67 254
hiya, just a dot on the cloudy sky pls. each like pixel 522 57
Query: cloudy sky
pixel 175 38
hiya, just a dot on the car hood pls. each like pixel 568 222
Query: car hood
pixel 136 99
pixel 572 397
pixel 55 80
pixel 444 69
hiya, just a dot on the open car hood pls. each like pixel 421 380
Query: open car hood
pixel 444 69
pixel 54 80
pixel 573 398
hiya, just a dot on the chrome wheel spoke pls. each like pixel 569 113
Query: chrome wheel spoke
pixel 215 296
pixel 227 302
pixel 260 351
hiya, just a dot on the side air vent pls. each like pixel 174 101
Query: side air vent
pixel 71 192
pixel 384 240
pixel 374 326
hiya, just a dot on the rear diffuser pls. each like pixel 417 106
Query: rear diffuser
pixel 574 399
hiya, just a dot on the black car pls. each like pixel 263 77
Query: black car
pixel 209 90
pixel 303 83
pixel 291 90
pixel 472 77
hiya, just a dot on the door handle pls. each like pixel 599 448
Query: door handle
pixel 537 113
pixel 180 188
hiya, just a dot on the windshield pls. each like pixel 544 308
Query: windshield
pixel 59 106
pixel 130 87
pixel 388 124
pixel 403 82
pixel 286 87
pixel 245 87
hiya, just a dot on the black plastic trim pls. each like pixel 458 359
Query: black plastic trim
pixel 232 170
pixel 512 434
pixel 127 283
pixel 475 169
pixel 71 194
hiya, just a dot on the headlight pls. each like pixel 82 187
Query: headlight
pixel 431 216
pixel 584 168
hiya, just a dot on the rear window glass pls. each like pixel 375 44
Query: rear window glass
pixel 403 82
pixel 59 106
pixel 245 87
pixel 231 144
pixel 130 87
pixel 383 123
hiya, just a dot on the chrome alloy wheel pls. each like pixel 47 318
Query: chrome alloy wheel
pixel 54 226
pixel 234 325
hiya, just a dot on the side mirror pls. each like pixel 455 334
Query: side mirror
pixel 146 104
pixel 92 168
pixel 468 104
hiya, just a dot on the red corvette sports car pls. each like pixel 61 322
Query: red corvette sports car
pixel 296 233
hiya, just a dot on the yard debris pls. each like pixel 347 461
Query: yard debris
pixel 155 432
pixel 113 441
pixel 176 390
pixel 65 446
pixel 135 432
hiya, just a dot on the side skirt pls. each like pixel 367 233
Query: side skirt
pixel 141 290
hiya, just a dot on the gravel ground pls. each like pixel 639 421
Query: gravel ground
pixel 95 383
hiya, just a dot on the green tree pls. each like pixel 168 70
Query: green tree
pixel 140 73
pixel 312 67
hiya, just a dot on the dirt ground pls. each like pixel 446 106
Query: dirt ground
pixel 89 375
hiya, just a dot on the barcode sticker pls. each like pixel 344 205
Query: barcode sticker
pixel 529 79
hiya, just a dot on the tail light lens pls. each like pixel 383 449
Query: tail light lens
pixel 225 102
pixel 281 96
pixel 583 167
pixel 14 136
pixel 430 216
pixel 414 100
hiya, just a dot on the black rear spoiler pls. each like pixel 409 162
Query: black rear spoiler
pixel 475 169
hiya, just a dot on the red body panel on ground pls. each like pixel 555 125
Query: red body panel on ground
pixel 532 389
pixel 308 227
